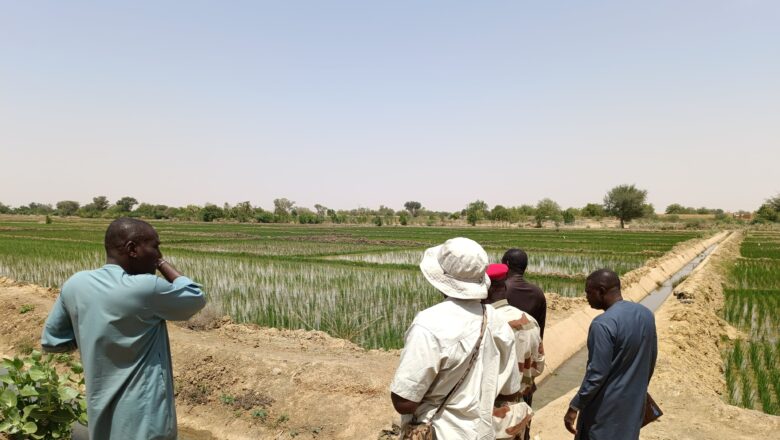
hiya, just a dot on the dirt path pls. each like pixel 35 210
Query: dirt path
pixel 688 383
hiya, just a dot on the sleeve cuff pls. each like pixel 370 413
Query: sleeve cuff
pixel 183 281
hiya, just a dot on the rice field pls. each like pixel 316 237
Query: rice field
pixel 543 262
pixel 358 283
pixel 752 366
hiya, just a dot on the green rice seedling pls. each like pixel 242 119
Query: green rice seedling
pixel 753 305
pixel 731 379
pixel 764 393
pixel 754 354
pixel 755 311
pixel 737 357
pixel 774 379
pixel 746 395
pixel 770 357
pixel 755 274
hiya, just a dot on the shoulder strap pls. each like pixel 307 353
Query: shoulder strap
pixel 474 355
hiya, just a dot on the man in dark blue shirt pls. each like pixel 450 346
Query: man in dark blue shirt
pixel 622 350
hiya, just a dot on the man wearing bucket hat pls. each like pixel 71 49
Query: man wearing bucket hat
pixel 459 356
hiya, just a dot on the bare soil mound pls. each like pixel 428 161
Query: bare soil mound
pixel 247 382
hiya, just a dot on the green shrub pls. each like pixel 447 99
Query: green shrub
pixel 38 402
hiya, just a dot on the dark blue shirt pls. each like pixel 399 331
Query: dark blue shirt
pixel 622 349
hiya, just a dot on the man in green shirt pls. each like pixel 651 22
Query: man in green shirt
pixel 116 316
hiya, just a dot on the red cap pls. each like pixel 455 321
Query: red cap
pixel 497 271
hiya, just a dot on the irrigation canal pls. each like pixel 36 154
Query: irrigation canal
pixel 569 375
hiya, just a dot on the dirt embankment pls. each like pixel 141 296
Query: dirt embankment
pixel 688 383
pixel 247 382
pixel 569 318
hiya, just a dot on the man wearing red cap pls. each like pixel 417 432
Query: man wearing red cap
pixel 530 351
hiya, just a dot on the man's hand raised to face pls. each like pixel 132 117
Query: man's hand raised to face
pixel 167 270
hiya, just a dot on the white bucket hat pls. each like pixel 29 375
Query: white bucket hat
pixel 457 268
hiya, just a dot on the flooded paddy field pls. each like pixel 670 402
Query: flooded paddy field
pixel 356 283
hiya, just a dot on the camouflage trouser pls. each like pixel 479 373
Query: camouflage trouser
pixel 510 421
pixel 422 431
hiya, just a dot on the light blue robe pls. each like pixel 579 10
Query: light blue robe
pixel 622 350
pixel 117 321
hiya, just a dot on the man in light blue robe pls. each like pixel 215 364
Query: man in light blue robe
pixel 622 350
pixel 116 317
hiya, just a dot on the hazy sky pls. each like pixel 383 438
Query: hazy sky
pixel 365 103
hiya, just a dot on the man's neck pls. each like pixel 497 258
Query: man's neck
pixel 611 303
pixel 515 274
pixel 495 297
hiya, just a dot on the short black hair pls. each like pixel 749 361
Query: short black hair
pixel 125 229
pixel 605 278
pixel 516 259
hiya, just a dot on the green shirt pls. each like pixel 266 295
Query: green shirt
pixel 117 321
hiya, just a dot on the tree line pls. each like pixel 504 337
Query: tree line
pixel 624 202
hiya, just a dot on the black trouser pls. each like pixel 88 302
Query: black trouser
pixel 528 398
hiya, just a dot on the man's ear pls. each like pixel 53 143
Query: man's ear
pixel 131 249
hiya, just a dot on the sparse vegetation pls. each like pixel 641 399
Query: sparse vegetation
pixel 753 305
pixel 37 401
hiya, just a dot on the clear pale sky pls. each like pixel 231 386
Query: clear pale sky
pixel 364 103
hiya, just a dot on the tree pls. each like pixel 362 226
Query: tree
pixel 283 209
pixel 403 219
pixel 147 210
pixel 774 202
pixel 67 207
pixel 322 211
pixel 648 210
pixel 526 210
pixel 5 209
pixel 499 214
pixel 211 212
pixel 675 208
pixel 307 216
pixel 569 216
pixel 769 211
pixel 264 216
pixel 413 207
pixel 547 209
pixel 34 209
pixel 593 210
pixel 242 212
pixel 472 217
pixel 766 213
pixel 625 202
pixel 100 203
pixel 98 206
pixel 171 212
pixel 125 204
pixel 476 211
